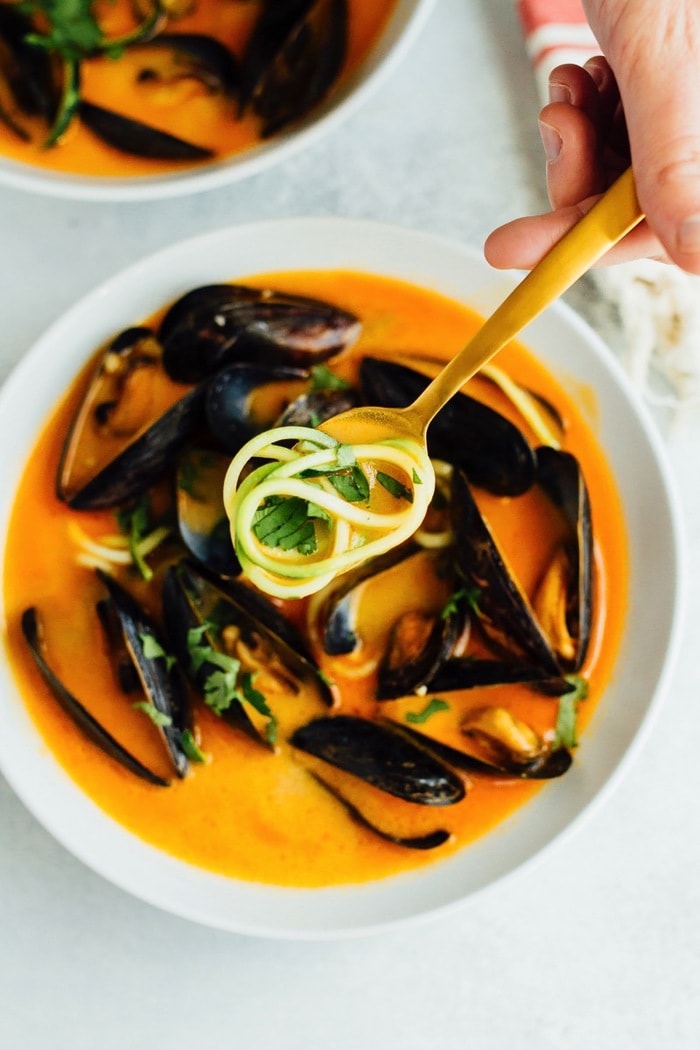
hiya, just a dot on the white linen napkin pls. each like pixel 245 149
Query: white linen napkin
pixel 658 305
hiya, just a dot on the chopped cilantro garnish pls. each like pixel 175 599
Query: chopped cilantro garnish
pixel 152 650
pixel 394 487
pixel 134 523
pixel 159 718
pixel 415 477
pixel 323 379
pixel 73 30
pixel 431 708
pixel 565 730
pixel 286 523
pixel 470 595
pixel 191 747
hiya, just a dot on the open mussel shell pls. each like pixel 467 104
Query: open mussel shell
pixel 214 325
pixel 469 672
pixel 241 623
pixel 201 516
pixel 170 57
pixel 246 398
pixel 26 71
pixel 505 614
pixel 431 840
pixel 560 475
pixel 133 136
pixel 294 56
pixel 382 756
pixel 313 408
pixel 161 682
pixel 547 766
pixel 121 441
pixel 493 452
pixel 338 611
pixel 419 644
pixel 77 712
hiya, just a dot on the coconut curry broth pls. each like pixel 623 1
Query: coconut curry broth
pixel 182 106
pixel 249 812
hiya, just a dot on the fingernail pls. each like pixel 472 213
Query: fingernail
pixel 559 92
pixel 551 140
pixel 689 234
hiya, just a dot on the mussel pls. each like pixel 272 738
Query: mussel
pixel 383 756
pixel 127 427
pixel 243 669
pixel 76 711
pixel 214 325
pixel 201 515
pixel 27 83
pixel 466 433
pixel 419 644
pixel 161 682
pixel 500 758
pixel 552 630
pixel 138 138
pixel 246 398
pixel 295 53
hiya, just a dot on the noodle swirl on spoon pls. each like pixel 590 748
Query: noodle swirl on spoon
pixel 320 507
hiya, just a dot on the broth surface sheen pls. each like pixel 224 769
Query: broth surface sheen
pixel 250 813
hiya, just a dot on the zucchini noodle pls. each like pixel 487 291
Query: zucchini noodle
pixel 340 533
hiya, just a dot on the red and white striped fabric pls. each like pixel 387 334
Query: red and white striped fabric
pixel 556 31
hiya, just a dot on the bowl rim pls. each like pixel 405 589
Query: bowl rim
pixel 403 26
pixel 70 816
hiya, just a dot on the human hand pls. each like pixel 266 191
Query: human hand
pixel 645 101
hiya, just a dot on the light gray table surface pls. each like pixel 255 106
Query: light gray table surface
pixel 597 945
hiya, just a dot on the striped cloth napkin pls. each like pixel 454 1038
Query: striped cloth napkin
pixel 658 305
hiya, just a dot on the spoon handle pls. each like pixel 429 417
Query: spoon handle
pixel 614 215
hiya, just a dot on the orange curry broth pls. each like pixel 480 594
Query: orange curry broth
pixel 250 813
pixel 184 108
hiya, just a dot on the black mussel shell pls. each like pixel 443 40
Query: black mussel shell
pixel 214 325
pixel 141 140
pixel 337 615
pixel 201 515
pixel 196 56
pixel 286 81
pixel 548 766
pixel 124 670
pixel 418 646
pixel 273 26
pixel 141 463
pixel 231 411
pixel 161 683
pixel 469 672
pixel 76 711
pixel 381 756
pixel 423 842
pixel 560 475
pixel 27 70
pixel 191 600
pixel 505 614
pixel 493 452
pixel 309 410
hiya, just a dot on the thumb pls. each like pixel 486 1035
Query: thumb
pixel 653 50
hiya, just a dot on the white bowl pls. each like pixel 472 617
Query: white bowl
pixel 402 27
pixel 573 352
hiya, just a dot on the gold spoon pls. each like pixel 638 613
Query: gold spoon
pixel 611 217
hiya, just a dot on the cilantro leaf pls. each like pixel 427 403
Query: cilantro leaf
pixel 394 487
pixel 286 523
pixel 191 747
pixel 159 718
pixel 134 523
pixel 153 650
pixel 415 477
pixel 351 484
pixel 565 729
pixel 431 708
pixel 470 595
pixel 323 379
